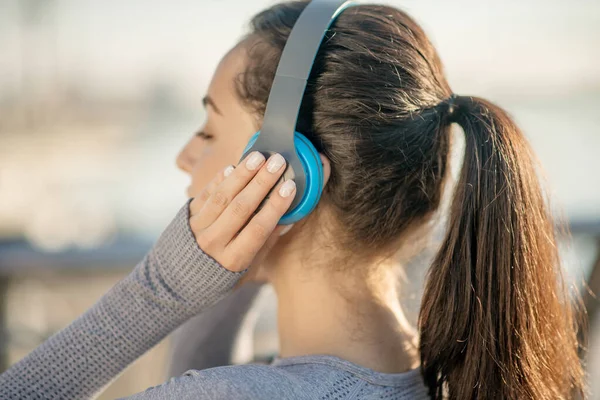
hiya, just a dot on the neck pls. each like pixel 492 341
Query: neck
pixel 358 319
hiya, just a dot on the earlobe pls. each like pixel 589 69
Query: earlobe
pixel 326 168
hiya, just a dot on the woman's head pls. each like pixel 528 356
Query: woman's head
pixel 358 126
pixel 495 320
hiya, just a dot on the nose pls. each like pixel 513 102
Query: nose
pixel 185 161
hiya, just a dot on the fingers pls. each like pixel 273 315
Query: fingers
pixel 253 237
pixel 218 198
pixel 201 198
pixel 221 213
pixel 243 205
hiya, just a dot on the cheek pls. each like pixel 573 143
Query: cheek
pixel 212 162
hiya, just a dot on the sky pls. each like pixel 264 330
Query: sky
pixel 487 46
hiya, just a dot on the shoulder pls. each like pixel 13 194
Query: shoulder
pixel 240 382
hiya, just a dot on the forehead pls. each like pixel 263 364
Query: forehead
pixel 222 86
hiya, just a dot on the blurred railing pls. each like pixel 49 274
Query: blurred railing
pixel 18 258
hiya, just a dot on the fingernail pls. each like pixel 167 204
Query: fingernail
pixel 255 160
pixel 287 188
pixel 286 230
pixel 275 163
pixel 228 170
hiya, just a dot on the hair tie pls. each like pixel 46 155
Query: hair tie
pixel 451 100
pixel 452 106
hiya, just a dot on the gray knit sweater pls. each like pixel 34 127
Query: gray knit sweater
pixel 175 281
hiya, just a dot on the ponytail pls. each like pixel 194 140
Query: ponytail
pixel 496 321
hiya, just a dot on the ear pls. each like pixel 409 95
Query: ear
pixel 326 168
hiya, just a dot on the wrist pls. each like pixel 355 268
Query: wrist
pixel 193 276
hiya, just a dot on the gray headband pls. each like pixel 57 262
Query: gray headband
pixel 295 65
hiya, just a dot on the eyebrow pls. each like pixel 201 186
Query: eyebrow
pixel 208 101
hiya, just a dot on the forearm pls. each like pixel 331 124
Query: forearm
pixel 175 281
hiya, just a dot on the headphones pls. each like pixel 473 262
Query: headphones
pixel 278 132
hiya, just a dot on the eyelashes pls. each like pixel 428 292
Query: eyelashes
pixel 204 135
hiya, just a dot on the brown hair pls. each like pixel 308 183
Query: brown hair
pixel 495 320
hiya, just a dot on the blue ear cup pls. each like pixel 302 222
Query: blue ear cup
pixel 313 170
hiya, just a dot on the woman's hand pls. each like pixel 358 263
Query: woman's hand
pixel 222 217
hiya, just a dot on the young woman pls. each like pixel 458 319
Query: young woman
pixel 495 320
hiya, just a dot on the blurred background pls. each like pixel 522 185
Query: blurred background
pixel 97 97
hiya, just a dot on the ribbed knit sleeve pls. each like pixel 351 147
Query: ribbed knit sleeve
pixel 175 281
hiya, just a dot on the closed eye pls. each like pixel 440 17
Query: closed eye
pixel 204 135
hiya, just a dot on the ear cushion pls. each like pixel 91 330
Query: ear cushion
pixel 313 171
